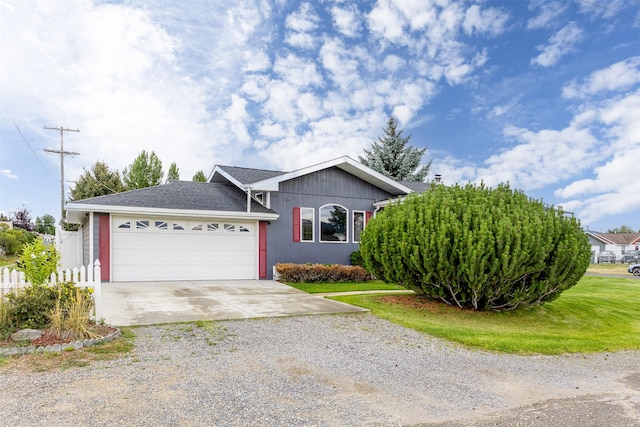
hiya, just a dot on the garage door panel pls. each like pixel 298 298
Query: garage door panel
pixel 211 253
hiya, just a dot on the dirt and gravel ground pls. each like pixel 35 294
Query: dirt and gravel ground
pixel 323 370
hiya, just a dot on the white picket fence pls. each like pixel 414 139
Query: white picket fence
pixel 83 277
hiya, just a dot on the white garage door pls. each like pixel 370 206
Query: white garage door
pixel 182 249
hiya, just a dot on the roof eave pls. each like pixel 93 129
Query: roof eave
pixel 76 211
pixel 599 237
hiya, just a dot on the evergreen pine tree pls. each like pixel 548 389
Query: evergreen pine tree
pixel 391 155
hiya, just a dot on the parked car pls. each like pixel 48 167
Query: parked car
pixel 634 269
pixel 606 256
pixel 630 257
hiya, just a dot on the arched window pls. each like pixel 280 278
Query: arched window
pixel 334 224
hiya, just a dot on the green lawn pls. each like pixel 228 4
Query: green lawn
pixel 321 288
pixel 599 314
pixel 609 269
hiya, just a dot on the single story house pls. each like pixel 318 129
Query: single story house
pixel 618 243
pixel 237 225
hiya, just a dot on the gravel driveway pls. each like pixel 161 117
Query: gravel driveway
pixel 323 370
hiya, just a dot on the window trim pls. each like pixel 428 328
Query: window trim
pixel 346 231
pixel 313 228
pixel 353 223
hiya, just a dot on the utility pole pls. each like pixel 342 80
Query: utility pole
pixel 62 153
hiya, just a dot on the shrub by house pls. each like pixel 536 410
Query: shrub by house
pixel 476 247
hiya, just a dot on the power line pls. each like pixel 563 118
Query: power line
pixel 618 11
pixel 34 153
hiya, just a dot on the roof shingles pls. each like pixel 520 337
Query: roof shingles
pixel 248 175
pixel 184 195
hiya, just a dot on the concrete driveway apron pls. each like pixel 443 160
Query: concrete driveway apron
pixel 146 303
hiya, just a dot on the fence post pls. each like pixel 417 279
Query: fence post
pixel 97 289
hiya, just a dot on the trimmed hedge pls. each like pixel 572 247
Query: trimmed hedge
pixel 320 273
pixel 477 247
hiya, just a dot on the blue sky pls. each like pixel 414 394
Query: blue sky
pixel 542 94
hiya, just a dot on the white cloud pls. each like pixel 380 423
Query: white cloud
pixel 256 61
pixel 297 71
pixel 300 25
pixel 560 44
pixel 347 20
pixel 548 16
pixel 120 76
pixel 452 170
pixel 339 61
pixel 8 174
pixel 490 21
pixel 393 63
pixel 619 76
pixel 540 158
pixel 386 21
pixel 607 10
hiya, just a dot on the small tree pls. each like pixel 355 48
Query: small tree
pixel 21 218
pixel 174 172
pixel 393 157
pixel 145 171
pixel 199 177
pixel 12 241
pixel 486 249
pixel 46 224
pixel 99 181
pixel 38 261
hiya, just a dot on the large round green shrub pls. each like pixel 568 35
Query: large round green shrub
pixel 476 247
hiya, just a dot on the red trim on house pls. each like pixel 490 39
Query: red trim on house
pixel 368 215
pixel 296 224
pixel 104 246
pixel 262 250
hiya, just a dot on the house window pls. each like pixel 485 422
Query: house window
pixel 126 225
pixel 178 227
pixel 333 223
pixel 212 226
pixel 303 224
pixel 162 225
pixel 306 224
pixel 358 225
pixel 243 229
pixel 142 225
pixel 229 227
pixel 360 220
pixel 197 227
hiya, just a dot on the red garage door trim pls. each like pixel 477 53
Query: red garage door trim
pixel 104 245
pixel 262 250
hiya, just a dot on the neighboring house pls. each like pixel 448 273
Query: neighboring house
pixel 618 243
pixel 238 225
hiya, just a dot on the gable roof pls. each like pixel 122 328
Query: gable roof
pixel 187 197
pixel 266 180
pixel 247 176
pixel 616 238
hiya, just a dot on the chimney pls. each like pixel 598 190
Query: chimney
pixel 438 178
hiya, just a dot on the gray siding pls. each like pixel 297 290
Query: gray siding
pixel 329 186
